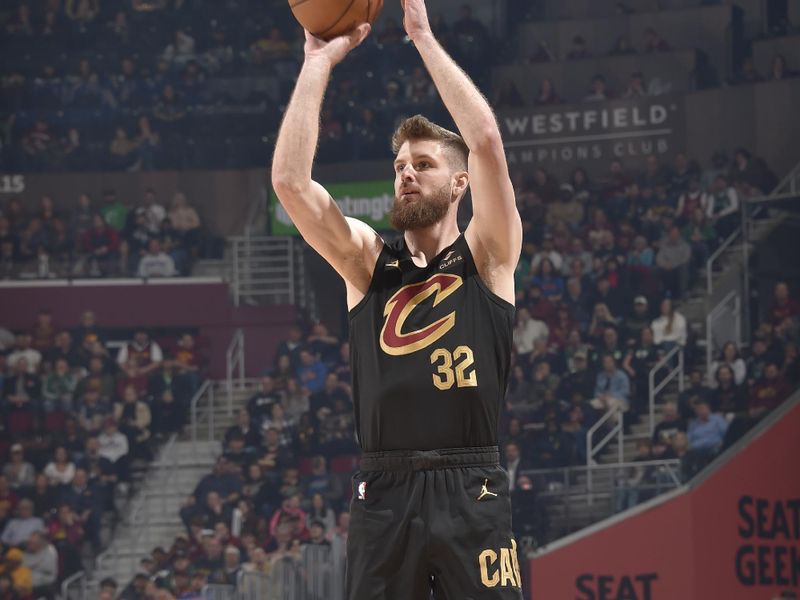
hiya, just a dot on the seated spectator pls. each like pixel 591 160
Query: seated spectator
pixel 526 332
pixel 156 262
pixel 612 387
pixel 44 496
pixel 670 424
pixel 134 418
pixel 549 280
pixel 19 473
pixel 101 247
pixel 599 91
pixel 672 260
pixel 636 87
pixel 146 353
pixel 18 529
pixel 59 388
pixel 21 576
pixel 42 559
pixel 670 328
pixel 706 431
pixel 97 379
pixel 731 358
pixel 768 392
pixel 23 349
pixel 547 95
pixel 785 310
pixel 186 221
pixel 114 447
pixel 66 533
pixel 310 371
pixel 260 404
pixel 61 469
pixel 244 427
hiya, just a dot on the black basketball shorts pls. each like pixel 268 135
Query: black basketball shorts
pixel 432 521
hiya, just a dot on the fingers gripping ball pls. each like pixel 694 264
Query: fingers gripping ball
pixel 327 19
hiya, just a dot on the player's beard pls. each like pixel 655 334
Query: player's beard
pixel 422 212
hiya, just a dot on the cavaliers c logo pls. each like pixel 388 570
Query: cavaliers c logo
pixel 403 303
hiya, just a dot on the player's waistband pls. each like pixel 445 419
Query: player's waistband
pixel 425 460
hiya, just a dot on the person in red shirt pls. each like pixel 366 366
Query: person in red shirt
pixel 784 307
pixel 769 392
pixel 101 243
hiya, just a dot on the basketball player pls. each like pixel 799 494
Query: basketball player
pixel 430 331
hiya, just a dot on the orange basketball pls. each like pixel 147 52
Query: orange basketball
pixel 327 19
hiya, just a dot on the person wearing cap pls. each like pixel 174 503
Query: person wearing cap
pixel 19 528
pixel 21 576
pixel 566 209
pixel 638 319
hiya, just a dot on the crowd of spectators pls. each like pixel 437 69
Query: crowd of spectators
pixel 196 84
pixel 603 265
pixel 718 407
pixel 97 239
pixel 78 421
pixel 192 84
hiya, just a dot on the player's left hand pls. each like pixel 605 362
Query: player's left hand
pixel 415 18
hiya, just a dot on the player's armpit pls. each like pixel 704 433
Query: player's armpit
pixel 350 246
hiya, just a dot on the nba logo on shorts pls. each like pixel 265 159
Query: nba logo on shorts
pixel 362 490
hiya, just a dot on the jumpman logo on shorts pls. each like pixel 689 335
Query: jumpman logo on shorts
pixel 485 490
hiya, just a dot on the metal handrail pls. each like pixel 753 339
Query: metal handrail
pixel 67 583
pixel 234 362
pixel 592 449
pixel 194 408
pixel 655 389
pixel 717 253
pixel 737 308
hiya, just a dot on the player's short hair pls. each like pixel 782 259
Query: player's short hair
pixel 420 128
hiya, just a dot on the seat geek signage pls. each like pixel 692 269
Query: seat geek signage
pixel 733 535
pixel 368 201
pixel 594 133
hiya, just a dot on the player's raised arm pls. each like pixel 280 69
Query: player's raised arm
pixel 496 225
pixel 350 246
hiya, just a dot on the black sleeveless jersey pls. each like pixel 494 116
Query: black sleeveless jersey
pixel 430 350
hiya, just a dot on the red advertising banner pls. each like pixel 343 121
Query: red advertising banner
pixel 736 536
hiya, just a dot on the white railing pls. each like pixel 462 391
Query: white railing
pixel 265 269
pixel 615 414
pixel 74 587
pixel 205 395
pixel 731 305
pixel 654 389
pixel 573 489
pixel 234 366
pixel 712 260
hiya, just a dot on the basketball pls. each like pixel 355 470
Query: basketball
pixel 327 19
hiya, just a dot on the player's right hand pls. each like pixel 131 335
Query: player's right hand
pixel 335 50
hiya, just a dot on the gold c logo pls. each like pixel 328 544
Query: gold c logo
pixel 403 303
